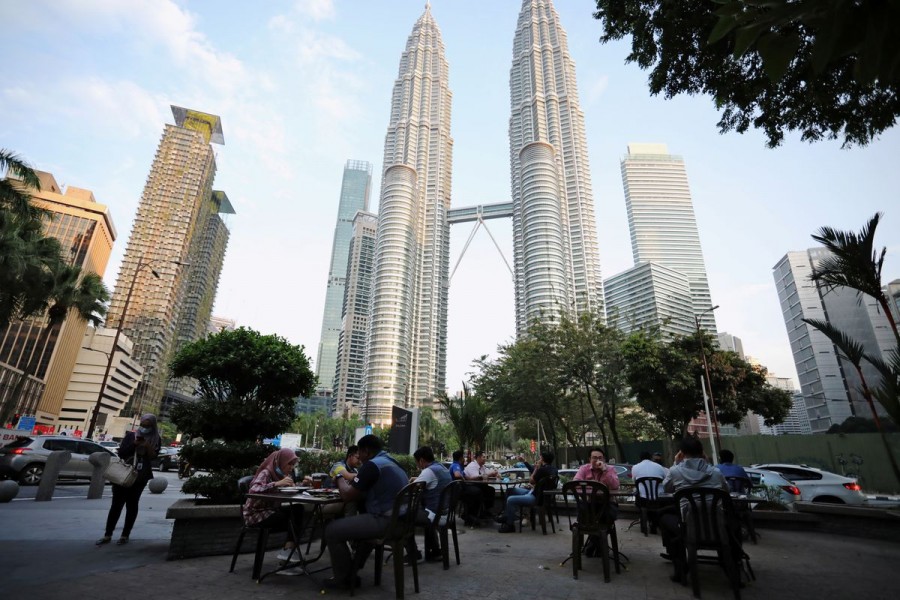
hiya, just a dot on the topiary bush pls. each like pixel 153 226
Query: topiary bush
pixel 215 456
pixel 220 486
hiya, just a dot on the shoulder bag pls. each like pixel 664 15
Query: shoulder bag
pixel 121 472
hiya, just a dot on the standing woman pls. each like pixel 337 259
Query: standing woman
pixel 141 447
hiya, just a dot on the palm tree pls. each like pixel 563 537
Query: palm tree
pixel 470 417
pixel 14 195
pixel 854 263
pixel 854 352
pixel 81 294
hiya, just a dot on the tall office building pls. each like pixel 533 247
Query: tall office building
pixel 350 371
pixel 354 197
pixel 408 326
pixel 207 254
pixel 650 295
pixel 661 220
pixel 731 343
pixel 830 384
pixel 163 251
pixel 557 265
pixel 86 233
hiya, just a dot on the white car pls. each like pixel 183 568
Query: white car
pixel 787 491
pixel 817 485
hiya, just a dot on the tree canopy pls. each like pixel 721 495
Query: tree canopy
pixel 825 68
pixel 665 378
pixel 247 385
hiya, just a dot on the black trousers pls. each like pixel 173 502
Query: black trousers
pixel 127 498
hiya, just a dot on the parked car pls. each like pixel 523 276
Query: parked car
pixel 515 473
pixel 788 493
pixel 817 485
pixel 111 446
pixel 169 457
pixel 25 458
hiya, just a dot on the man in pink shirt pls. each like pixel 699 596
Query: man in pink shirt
pixel 597 470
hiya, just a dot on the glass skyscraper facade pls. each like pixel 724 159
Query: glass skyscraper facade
pixel 662 222
pixel 355 188
pixel 557 264
pixel 408 326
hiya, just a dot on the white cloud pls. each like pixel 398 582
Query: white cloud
pixel 317 10
pixel 314 46
pixel 597 88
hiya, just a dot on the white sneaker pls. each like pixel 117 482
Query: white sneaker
pixel 287 554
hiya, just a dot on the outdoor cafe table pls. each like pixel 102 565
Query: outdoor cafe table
pixel 501 485
pixel 317 499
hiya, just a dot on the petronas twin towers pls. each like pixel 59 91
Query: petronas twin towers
pixel 557 268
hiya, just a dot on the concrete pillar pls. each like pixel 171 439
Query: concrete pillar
pixel 55 463
pixel 8 490
pixel 158 485
pixel 100 460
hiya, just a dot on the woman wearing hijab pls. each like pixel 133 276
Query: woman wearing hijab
pixel 274 472
pixel 141 447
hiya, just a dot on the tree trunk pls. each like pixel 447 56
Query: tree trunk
pixel 887 312
pixel 611 420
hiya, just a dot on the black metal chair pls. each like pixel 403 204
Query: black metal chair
pixel 445 522
pixel 262 535
pixel 400 529
pixel 743 486
pixel 709 522
pixel 592 501
pixel 545 507
pixel 646 497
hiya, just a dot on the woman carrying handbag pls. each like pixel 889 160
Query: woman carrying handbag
pixel 138 449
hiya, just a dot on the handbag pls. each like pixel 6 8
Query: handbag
pixel 121 473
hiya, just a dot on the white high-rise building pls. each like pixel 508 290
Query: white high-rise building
pixel 557 264
pixel 408 325
pixel 662 222
pixel 650 295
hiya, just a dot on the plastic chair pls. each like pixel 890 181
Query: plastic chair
pixel 262 537
pixel 401 528
pixel 647 499
pixel 709 522
pixel 545 505
pixel 592 509
pixel 446 519
pixel 743 486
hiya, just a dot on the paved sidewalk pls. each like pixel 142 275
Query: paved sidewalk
pixel 47 552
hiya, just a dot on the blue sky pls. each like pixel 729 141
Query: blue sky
pixel 303 86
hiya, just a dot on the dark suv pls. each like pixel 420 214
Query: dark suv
pixel 24 459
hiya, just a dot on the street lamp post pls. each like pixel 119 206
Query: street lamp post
pixel 717 442
pixel 140 265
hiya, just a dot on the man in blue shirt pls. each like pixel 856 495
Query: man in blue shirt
pixel 379 481
pixel 436 478
pixel 729 469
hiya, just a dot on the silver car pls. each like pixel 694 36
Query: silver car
pixel 769 482
pixel 25 458
pixel 817 485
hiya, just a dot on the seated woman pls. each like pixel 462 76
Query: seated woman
pixel 273 473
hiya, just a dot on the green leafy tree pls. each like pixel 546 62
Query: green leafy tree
pixel 665 379
pixel 470 417
pixel 825 68
pixel 247 384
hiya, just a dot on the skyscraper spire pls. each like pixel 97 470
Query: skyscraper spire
pixel 555 233
pixel 408 325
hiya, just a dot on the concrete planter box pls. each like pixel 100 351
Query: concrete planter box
pixel 210 529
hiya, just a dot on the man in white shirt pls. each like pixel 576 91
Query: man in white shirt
pixel 478 499
pixel 647 468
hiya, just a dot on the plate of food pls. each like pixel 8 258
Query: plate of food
pixel 294 489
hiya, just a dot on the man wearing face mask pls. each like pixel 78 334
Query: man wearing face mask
pixel 137 448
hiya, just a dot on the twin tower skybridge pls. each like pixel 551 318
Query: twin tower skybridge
pixel 479 214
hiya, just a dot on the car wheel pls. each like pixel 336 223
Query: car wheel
pixel 31 474
pixel 827 500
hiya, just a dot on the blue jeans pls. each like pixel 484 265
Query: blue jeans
pixel 517 498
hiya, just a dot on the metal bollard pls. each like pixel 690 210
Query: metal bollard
pixel 100 460
pixel 55 463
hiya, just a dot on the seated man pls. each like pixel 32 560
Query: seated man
pixel 478 499
pixel 347 469
pixel 597 470
pixel 436 478
pixel 690 469
pixel 729 469
pixel 380 479
pixel 647 468
pixel 519 497
pixel 456 467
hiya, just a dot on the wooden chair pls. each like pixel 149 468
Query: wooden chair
pixel 400 529
pixel 445 522
pixel 709 522
pixel 646 496
pixel 545 506
pixel 743 486
pixel 592 513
